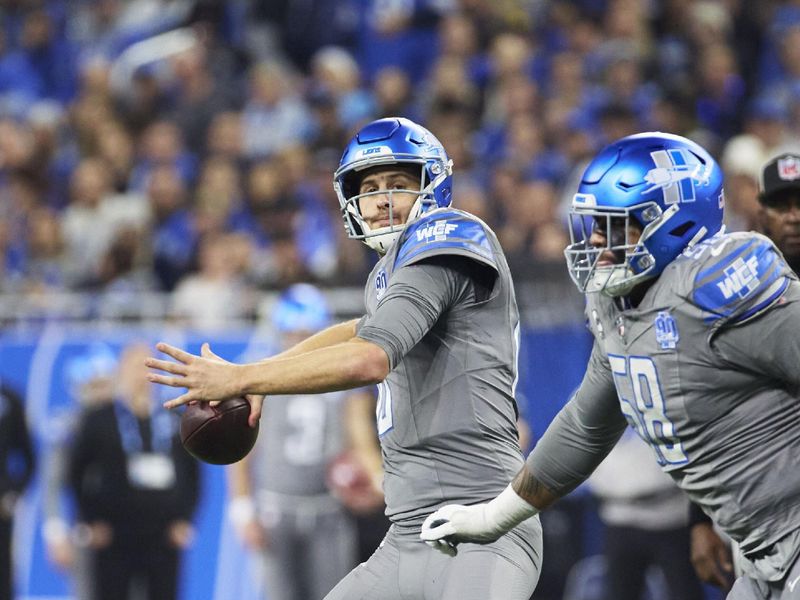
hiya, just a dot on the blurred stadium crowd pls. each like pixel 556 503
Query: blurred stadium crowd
pixel 186 147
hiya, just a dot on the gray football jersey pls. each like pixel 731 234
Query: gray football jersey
pixel 446 413
pixel 706 371
pixel 298 438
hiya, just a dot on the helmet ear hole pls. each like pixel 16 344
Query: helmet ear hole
pixel 681 229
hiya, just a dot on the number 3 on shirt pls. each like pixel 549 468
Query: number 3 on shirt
pixel 646 411
pixel 383 410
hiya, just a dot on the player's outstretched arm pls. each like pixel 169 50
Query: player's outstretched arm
pixel 347 365
pixel 330 336
pixel 485 523
pixel 578 439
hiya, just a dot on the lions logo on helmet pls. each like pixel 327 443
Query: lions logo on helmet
pixel 392 141
pixel 667 185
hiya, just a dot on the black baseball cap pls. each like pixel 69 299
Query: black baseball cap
pixel 779 174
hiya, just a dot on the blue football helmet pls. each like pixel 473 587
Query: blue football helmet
pixel 666 185
pixel 392 141
pixel 301 308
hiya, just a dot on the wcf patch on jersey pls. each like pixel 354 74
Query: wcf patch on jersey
pixel 437 231
pixel 741 278
pixel 666 331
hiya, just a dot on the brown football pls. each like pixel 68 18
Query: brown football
pixel 218 434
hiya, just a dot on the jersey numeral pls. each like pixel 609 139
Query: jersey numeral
pixel 383 410
pixel 305 441
pixel 646 411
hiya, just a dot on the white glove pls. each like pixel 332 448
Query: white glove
pixel 479 523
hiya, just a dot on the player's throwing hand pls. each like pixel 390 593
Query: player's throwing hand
pixel 205 377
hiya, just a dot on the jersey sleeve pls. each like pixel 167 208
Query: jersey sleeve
pixel 768 344
pixel 583 433
pixel 413 302
pixel 445 232
pixel 738 278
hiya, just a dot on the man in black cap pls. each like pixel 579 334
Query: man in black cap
pixel 779 220
pixel 779 194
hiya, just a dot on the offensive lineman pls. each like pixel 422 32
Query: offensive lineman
pixel 697 341
pixel 440 338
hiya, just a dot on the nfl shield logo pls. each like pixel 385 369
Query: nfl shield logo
pixel 789 168
pixel 666 331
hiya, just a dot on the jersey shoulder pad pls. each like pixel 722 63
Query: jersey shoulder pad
pixel 446 231
pixel 735 276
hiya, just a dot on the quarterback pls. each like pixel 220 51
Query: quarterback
pixel 697 345
pixel 440 338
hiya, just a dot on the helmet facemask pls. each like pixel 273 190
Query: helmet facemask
pixel 633 261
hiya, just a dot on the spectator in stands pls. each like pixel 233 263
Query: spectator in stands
pixel 93 217
pixel 46 268
pixel 399 34
pixel 218 201
pixel 162 143
pixel 393 94
pixel 275 115
pixel 115 147
pixel 142 101
pixel 42 65
pixel 283 248
pixel 721 94
pixel 174 232
pixel 511 57
pixel 740 161
pixel 225 136
pixel 195 96
pixel 215 295
pixel 334 71
pixel 450 91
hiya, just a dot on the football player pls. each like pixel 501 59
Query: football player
pixel 697 340
pixel 440 338
pixel 280 504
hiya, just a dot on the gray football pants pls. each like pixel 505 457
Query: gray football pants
pixel 308 554
pixel 406 568
pixel 747 588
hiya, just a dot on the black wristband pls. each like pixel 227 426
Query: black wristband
pixel 697 516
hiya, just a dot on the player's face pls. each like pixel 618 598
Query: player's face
pixel 780 221
pixel 375 208
pixel 609 233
